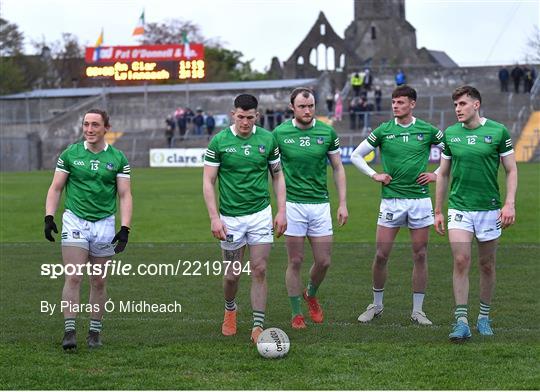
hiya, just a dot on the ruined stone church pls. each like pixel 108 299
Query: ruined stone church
pixel 379 36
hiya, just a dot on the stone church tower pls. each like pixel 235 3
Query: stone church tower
pixel 380 35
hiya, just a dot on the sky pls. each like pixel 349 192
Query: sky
pixel 471 32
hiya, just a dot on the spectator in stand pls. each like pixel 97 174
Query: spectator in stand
pixel 339 106
pixel 271 119
pixel 261 118
pixel 516 75
pixel 401 79
pixel 368 80
pixel 504 76
pixel 353 102
pixel 189 119
pixel 378 98
pixel 356 84
pixel 330 104
pixel 279 116
pixel 210 124
pixel 180 116
pixel 529 76
pixel 198 122
pixel 170 122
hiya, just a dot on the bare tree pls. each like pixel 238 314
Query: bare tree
pixel 533 47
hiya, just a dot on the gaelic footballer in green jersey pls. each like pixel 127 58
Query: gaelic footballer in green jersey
pixel 306 145
pixel 93 174
pixel 405 144
pixel 240 157
pixel 474 148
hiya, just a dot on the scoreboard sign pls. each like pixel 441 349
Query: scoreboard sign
pixel 146 62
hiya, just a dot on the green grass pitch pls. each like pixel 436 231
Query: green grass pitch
pixel 185 350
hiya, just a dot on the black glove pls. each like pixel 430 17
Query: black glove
pixel 122 238
pixel 49 227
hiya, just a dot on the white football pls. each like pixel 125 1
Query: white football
pixel 273 343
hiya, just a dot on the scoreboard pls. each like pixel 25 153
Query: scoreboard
pixel 146 62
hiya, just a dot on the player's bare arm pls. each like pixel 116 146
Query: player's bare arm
pixel 217 226
pixel 278 183
pixel 508 211
pixel 341 186
pixel 440 194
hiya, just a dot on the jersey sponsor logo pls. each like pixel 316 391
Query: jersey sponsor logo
pixel 230 149
pixel 389 216
pixel 389 137
pixel 110 166
pixel 288 141
pixel 455 140
pixel 420 137
pixel 78 162
pixel 76 234
pixel 488 139
pixel 262 148
pixel 320 140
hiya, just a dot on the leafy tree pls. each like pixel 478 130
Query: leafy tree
pixel 221 64
pixel 12 60
pixel 11 39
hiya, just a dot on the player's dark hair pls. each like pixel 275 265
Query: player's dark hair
pixel 404 91
pixel 304 91
pixel 246 102
pixel 466 90
pixel 103 115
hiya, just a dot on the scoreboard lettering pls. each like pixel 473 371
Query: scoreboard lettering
pixel 146 62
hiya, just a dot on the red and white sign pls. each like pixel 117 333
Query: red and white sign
pixel 111 54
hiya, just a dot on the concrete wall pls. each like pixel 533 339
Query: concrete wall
pixel 144 114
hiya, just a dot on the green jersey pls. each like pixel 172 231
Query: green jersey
pixel 243 169
pixel 475 155
pixel 304 159
pixel 405 155
pixel 91 185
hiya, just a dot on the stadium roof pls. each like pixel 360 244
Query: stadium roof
pixel 442 58
pixel 91 91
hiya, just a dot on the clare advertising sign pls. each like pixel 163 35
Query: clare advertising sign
pixel 177 157
pixel 146 62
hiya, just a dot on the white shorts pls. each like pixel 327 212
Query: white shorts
pixel 95 237
pixel 312 220
pixel 411 213
pixel 250 229
pixel 485 225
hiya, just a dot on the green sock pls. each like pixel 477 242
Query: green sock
pixel 460 314
pixel 311 289
pixel 96 325
pixel 69 324
pixel 258 318
pixel 484 310
pixel 296 300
